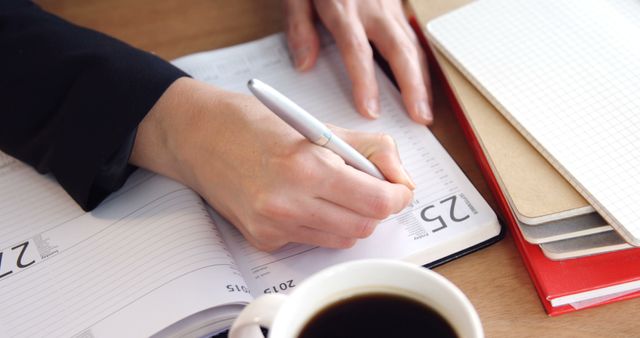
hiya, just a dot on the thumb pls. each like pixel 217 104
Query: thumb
pixel 302 37
pixel 380 149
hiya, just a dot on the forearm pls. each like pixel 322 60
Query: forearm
pixel 72 99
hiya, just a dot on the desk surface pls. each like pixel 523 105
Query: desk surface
pixel 494 279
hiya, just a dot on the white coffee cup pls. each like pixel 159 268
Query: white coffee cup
pixel 286 315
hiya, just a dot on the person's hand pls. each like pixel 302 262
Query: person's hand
pixel 259 173
pixel 352 23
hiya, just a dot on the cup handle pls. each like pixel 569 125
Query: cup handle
pixel 260 312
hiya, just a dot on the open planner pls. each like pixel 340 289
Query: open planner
pixel 566 74
pixel 154 260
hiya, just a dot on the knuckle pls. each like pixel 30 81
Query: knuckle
pixel 259 233
pixel 260 203
pixel 404 49
pixel 382 205
pixel 365 228
pixel 360 46
pixel 267 238
pixel 386 150
pixel 331 164
pixel 334 13
pixel 380 19
pixel 258 236
pixel 335 7
pixel 317 168
pixel 267 246
pixel 408 48
pixel 304 167
pixel 345 243
pixel 386 140
pixel 268 205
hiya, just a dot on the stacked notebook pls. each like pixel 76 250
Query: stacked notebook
pixel 537 129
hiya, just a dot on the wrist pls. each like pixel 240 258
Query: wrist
pixel 190 124
pixel 157 145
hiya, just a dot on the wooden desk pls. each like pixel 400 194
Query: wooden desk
pixel 494 279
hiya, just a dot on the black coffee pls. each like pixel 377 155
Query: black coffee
pixel 377 315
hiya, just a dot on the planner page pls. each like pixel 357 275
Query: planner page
pixel 566 74
pixel 447 214
pixel 145 259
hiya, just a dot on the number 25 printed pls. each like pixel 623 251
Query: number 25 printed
pixel 433 213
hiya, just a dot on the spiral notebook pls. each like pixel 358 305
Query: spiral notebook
pixel 566 74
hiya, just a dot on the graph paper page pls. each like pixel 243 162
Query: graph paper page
pixel 566 74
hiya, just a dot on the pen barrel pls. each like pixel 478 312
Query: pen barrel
pixel 307 125
pixel 294 115
pixel 352 157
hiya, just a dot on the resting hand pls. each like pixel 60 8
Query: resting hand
pixel 352 23
pixel 271 183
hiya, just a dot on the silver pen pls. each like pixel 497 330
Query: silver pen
pixel 307 125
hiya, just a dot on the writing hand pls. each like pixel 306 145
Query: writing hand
pixel 274 185
pixel 352 23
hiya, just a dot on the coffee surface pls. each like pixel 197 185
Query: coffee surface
pixel 377 315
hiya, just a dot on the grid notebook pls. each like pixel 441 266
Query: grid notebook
pixel 566 74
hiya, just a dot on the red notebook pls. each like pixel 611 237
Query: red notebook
pixel 556 281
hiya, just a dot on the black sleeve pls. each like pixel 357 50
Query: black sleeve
pixel 71 99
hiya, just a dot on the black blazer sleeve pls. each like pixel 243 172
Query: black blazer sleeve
pixel 71 99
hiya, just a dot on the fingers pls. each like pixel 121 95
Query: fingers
pixel 401 20
pixel 354 198
pixel 365 194
pixel 324 239
pixel 325 225
pixel 334 204
pixel 329 217
pixel 342 20
pixel 424 68
pixel 407 62
pixel 272 238
pixel 380 149
pixel 352 24
pixel 302 37
pixel 302 235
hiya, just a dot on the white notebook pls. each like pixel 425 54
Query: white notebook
pixel 566 74
pixel 154 260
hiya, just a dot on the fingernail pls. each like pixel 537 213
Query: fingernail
pixel 423 110
pixel 301 57
pixel 371 105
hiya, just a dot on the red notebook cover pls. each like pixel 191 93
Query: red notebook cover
pixel 552 279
